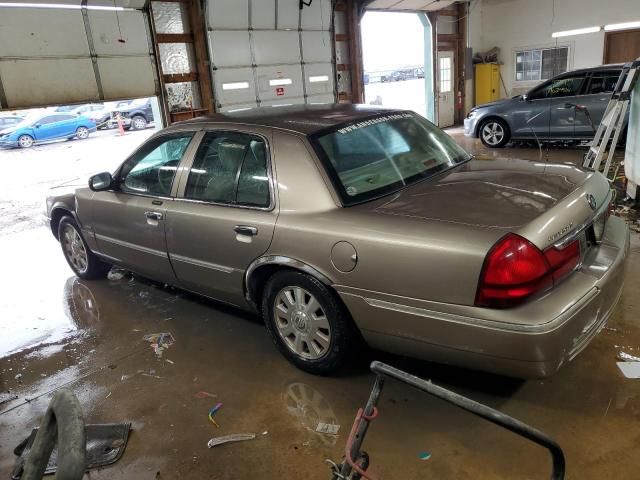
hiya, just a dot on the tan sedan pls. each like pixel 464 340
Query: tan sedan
pixel 343 222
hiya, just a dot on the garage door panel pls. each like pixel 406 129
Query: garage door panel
pixel 263 14
pixel 282 102
pixel 27 83
pixel 229 14
pixel 234 85
pixel 105 33
pixel 138 4
pixel 319 78
pixel 238 108
pixel 320 99
pixel 276 47
pixel 317 16
pixel 126 77
pixel 22 33
pixel 280 81
pixel 288 14
pixel 230 48
pixel 316 46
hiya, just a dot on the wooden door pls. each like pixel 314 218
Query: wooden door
pixel 623 46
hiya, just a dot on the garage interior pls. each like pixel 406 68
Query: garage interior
pixel 194 58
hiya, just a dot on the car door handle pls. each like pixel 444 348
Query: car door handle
pixel 153 215
pixel 245 230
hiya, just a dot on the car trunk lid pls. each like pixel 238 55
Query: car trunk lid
pixel 508 195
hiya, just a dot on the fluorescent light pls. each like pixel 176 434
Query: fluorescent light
pixel 621 26
pixel 282 105
pixel 577 31
pixel 280 81
pixel 319 78
pixel 63 6
pixel 235 85
pixel 239 109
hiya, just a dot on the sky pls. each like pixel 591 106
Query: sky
pixel 391 40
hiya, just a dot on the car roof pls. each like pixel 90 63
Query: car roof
pixel 303 119
pixel 610 66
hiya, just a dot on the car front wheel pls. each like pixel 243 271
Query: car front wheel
pixel 494 133
pixel 25 141
pixel 84 263
pixel 138 123
pixel 307 323
pixel 82 132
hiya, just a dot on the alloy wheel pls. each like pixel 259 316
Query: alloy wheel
pixel 74 249
pixel 25 141
pixel 139 123
pixel 82 132
pixel 302 323
pixel 492 133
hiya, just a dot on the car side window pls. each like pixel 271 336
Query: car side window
pixel 230 168
pixel 152 168
pixel 47 120
pixel 603 82
pixel 561 87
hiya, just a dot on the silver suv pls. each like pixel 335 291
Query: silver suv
pixel 567 107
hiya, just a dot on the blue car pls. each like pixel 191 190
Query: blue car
pixel 45 128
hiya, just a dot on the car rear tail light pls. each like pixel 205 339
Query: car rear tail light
pixel 515 269
pixel 563 262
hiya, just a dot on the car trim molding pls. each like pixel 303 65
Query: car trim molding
pixel 284 261
pixel 133 246
pixel 202 263
pixel 453 318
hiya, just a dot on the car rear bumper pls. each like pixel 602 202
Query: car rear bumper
pixel 535 341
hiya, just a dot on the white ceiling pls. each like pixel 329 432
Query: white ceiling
pixel 409 5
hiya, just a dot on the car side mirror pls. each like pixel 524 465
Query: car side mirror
pixel 100 181
pixel 37 125
pixel 525 98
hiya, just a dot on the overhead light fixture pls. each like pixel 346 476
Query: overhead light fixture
pixel 577 31
pixel 280 81
pixel 318 78
pixel 621 26
pixel 63 6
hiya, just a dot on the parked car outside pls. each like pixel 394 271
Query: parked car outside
pixel 47 127
pixel 10 121
pixel 509 266
pixel 397 76
pixel 567 107
pixel 102 116
pixel 135 115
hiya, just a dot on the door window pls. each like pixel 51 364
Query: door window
pixel 561 87
pixel 152 169
pixel 230 168
pixel 445 74
pixel 603 82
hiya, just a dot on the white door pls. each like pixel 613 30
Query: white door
pixel 446 95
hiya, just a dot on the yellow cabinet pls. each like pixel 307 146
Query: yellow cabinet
pixel 487 80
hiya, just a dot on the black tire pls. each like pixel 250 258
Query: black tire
pixel 343 336
pixel 95 268
pixel 498 140
pixel 138 123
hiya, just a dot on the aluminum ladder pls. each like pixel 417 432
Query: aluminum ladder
pixel 613 121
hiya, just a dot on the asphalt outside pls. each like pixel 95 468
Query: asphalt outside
pixel 58 331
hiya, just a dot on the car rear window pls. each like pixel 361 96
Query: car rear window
pixel 379 155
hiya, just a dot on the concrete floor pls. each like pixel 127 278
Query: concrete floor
pixel 87 336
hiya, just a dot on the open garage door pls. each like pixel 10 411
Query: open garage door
pixel 74 51
pixel 270 52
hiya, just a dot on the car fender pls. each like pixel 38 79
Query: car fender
pixel 492 114
pixel 251 277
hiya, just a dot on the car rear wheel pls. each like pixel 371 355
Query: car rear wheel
pixel 84 263
pixel 82 132
pixel 307 323
pixel 138 123
pixel 25 141
pixel 494 133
